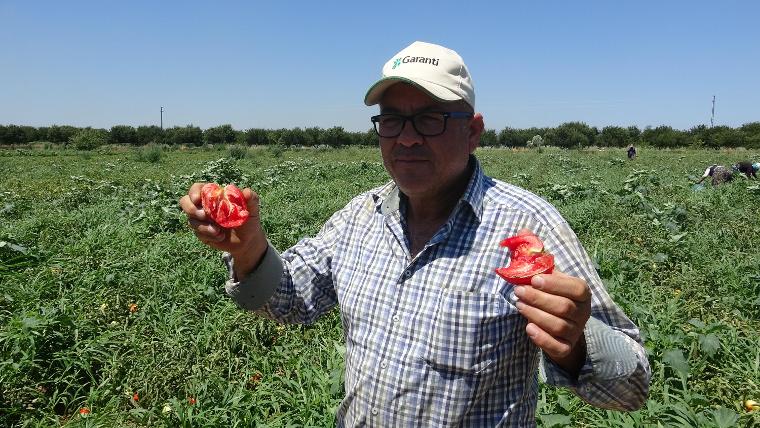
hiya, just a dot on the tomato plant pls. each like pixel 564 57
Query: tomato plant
pixel 527 259
pixel 225 205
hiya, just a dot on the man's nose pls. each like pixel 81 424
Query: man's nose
pixel 409 136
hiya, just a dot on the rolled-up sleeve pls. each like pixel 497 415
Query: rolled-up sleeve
pixel 295 286
pixel 258 287
pixel 615 374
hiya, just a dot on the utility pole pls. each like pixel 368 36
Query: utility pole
pixel 162 116
pixel 712 118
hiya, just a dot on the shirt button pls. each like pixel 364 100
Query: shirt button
pixel 396 318
pixel 383 364
pixel 374 411
pixel 407 274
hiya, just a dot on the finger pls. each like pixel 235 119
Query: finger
pixel 195 194
pixel 561 284
pixel 558 327
pixel 192 210
pixel 558 306
pixel 252 201
pixel 525 231
pixel 206 229
pixel 552 346
pixel 210 239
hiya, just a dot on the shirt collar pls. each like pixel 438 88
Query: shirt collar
pixel 472 196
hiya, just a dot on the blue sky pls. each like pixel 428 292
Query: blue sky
pixel 286 64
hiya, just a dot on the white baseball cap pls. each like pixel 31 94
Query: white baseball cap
pixel 437 70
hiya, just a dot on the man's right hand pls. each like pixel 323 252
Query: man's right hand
pixel 247 243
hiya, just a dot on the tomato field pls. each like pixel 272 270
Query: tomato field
pixel 113 314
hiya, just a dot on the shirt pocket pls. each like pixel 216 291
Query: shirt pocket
pixel 470 331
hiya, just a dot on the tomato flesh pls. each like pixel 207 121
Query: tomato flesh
pixel 523 245
pixel 225 205
pixel 527 259
pixel 519 272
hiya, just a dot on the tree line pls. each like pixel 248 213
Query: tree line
pixel 566 135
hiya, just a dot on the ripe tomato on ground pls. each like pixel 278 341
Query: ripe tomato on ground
pixel 225 205
pixel 527 259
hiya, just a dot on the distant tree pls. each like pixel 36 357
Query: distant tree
pixel 699 135
pixel 335 136
pixel 314 135
pixel 536 142
pixel 15 134
pixel 184 135
pixel 634 134
pixel 666 137
pixel 294 137
pixel 60 134
pixel 511 137
pixel 256 137
pixel 751 135
pixel 571 135
pixel 370 138
pixel 489 138
pixel 223 134
pixel 123 134
pixel 614 136
pixel 89 139
pixel 724 136
pixel 149 134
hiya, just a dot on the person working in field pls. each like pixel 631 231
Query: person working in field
pixel 631 151
pixel 747 168
pixel 432 336
pixel 719 174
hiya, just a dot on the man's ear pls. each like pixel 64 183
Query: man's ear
pixel 476 128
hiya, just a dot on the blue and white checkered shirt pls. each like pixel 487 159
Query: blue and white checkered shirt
pixel 433 339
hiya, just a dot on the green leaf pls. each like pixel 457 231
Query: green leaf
pixel 710 344
pixel 725 418
pixel 675 359
pixel 13 247
pixel 564 402
pixel 555 420
pixel 697 323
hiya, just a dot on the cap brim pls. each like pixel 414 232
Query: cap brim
pixel 437 92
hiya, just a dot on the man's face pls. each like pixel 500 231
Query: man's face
pixel 427 166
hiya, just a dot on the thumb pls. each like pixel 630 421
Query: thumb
pixel 252 202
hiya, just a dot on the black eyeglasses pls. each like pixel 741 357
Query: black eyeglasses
pixel 427 124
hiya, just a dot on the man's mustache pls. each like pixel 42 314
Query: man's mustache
pixel 419 154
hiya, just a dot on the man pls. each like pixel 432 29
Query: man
pixel 432 338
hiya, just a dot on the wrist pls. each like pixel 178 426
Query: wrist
pixel 573 362
pixel 248 259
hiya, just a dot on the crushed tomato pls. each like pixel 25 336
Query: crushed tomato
pixel 225 205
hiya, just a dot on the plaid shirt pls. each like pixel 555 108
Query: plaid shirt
pixel 433 339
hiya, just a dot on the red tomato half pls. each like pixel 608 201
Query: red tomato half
pixel 225 205
pixel 519 272
pixel 523 246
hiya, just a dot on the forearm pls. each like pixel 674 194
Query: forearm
pixel 291 289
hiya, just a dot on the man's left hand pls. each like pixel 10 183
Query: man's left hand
pixel 557 307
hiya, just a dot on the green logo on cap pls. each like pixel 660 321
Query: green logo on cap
pixel 420 59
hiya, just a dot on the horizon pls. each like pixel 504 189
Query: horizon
pixel 272 67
